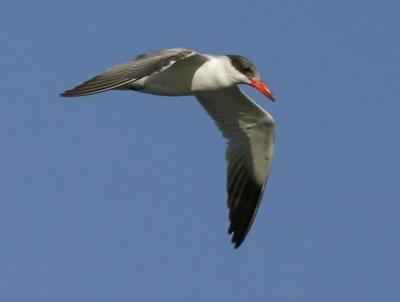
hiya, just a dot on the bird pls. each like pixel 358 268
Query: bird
pixel 212 79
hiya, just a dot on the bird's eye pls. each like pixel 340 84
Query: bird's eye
pixel 247 69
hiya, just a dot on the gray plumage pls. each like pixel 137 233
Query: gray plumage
pixel 121 75
pixel 248 128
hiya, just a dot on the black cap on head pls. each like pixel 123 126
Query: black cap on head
pixel 244 66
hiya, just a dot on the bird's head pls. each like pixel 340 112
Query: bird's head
pixel 245 72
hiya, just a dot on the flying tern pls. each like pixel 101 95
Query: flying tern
pixel 212 79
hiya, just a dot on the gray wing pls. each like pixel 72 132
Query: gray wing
pixel 120 75
pixel 250 133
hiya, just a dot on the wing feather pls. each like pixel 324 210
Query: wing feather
pixel 250 133
pixel 121 75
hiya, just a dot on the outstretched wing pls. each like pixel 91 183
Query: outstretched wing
pixel 250 132
pixel 120 75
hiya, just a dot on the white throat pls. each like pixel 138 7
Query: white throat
pixel 215 74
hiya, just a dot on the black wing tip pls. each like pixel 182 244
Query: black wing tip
pixel 74 92
pixel 243 212
pixel 237 244
pixel 67 93
pixel 237 237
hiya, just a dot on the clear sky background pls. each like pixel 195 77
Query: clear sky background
pixel 121 196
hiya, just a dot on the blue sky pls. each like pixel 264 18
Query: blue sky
pixel 121 196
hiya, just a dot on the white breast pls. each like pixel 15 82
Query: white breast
pixel 213 75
